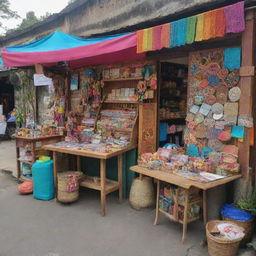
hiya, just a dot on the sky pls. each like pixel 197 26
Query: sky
pixel 40 7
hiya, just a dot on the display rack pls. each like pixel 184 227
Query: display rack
pixel 34 145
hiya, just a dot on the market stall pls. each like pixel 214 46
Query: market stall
pixel 28 150
pixel 182 202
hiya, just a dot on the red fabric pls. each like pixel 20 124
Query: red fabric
pixel 14 59
pixel 157 37
pixel 124 55
pixel 220 24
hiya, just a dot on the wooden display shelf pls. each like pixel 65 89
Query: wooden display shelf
pixel 122 101
pixel 123 79
pixel 171 217
pixel 194 201
pixel 168 119
pixel 110 185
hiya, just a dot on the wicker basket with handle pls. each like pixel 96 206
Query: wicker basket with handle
pixel 218 246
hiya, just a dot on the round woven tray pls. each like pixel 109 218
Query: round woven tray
pixel 219 246
pixel 64 195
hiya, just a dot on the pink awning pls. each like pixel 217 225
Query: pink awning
pixel 93 51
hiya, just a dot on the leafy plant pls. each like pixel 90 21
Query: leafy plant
pixel 248 204
pixel 20 116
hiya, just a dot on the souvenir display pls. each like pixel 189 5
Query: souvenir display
pixel 202 165
pixel 148 84
pixel 39 131
pixel 217 82
pixel 123 94
pixel 172 200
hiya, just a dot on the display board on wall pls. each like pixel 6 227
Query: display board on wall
pixel 147 127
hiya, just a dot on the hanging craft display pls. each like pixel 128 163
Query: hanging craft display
pixel 237 132
pixel 245 120
pixel 147 86
pixel 204 26
pixel 194 109
pixel 224 136
pixel 232 79
pixel 216 112
pixel 210 99
pixel 205 109
pixel 217 108
pixel 234 94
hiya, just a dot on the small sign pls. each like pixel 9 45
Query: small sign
pixel 42 80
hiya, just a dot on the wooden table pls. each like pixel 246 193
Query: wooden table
pixel 106 186
pixel 183 183
pixel 35 143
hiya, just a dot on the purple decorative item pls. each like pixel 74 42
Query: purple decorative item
pixel 234 15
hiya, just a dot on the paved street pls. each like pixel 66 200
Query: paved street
pixel 32 227
pixel 8 156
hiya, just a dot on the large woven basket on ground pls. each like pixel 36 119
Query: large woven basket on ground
pixel 246 225
pixel 219 246
pixel 142 194
pixel 68 186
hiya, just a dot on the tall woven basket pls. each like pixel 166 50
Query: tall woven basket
pixel 219 246
pixel 246 225
pixel 68 186
pixel 142 194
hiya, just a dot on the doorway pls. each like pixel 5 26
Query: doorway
pixel 173 101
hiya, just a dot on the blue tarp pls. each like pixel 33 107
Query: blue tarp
pixel 59 41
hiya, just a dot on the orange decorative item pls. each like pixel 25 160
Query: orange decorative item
pixel 224 136
pixel 26 187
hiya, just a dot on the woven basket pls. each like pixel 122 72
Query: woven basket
pixel 247 226
pixel 64 179
pixel 142 194
pixel 219 246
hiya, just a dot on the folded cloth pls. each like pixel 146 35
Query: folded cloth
pixel 220 23
pixel 139 40
pixel 181 31
pixel 207 25
pixel 199 27
pixel 165 35
pixel 191 29
pixel 234 14
pixel 156 38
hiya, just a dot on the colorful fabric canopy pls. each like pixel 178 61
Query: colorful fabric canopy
pixel 59 46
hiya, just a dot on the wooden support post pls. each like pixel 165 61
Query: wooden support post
pixel 246 84
pixel 205 206
pixel 185 219
pixel 102 187
pixel 120 176
pixel 157 202
pixel 39 68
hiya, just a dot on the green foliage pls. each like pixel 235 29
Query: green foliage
pixel 30 20
pixel 20 116
pixel 6 12
pixel 248 204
